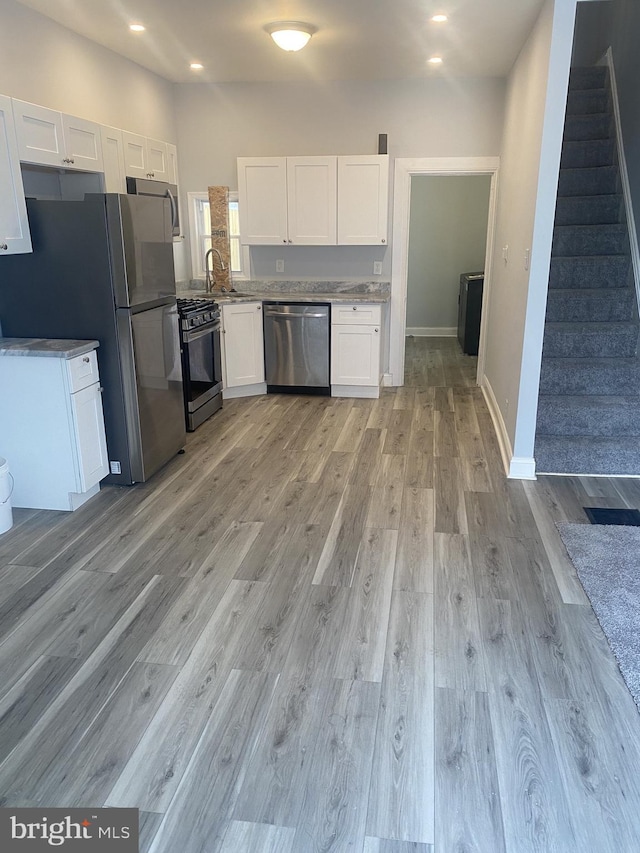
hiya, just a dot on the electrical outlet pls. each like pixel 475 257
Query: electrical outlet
pixel 115 467
pixel 280 265
pixel 377 267
pixel 527 258
pixel 505 254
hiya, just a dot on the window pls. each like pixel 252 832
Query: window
pixel 200 222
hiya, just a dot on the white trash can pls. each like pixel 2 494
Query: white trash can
pixel 6 488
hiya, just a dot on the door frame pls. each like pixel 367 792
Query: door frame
pixel 405 169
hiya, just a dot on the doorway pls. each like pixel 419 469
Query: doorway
pixel 447 237
pixel 405 171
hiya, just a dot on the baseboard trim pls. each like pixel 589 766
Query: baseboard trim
pixel 515 467
pixel 431 331
pixel 522 468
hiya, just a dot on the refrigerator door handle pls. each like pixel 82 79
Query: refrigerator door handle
pixel 174 210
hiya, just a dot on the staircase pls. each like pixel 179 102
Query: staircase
pixel 589 403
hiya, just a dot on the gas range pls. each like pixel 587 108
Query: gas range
pixel 197 312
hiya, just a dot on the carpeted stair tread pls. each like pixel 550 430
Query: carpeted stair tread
pixel 590 340
pixel 587 153
pixel 578 128
pixel 597 376
pixel 590 305
pixel 599 180
pixel 605 209
pixel 606 271
pixel 607 239
pixel 588 77
pixel 587 455
pixel 587 102
pixel 589 415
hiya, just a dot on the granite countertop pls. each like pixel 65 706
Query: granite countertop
pixel 286 296
pixel 49 348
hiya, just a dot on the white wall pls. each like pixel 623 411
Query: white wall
pixel 447 237
pixel 530 160
pixel 423 118
pixel 45 63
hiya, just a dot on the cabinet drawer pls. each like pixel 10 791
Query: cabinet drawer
pixel 362 314
pixel 83 370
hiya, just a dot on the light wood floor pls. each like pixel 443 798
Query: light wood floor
pixel 332 625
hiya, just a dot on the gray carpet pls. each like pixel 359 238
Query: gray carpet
pixel 607 560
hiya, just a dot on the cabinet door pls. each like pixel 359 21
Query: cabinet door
pixel 135 155
pixel 262 194
pixel 172 164
pixel 363 192
pixel 90 436
pixel 40 135
pixel 243 344
pixel 113 156
pixel 157 160
pixel 14 226
pixel 82 144
pixel 311 200
pixel 355 355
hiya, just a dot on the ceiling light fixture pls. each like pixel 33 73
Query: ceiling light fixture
pixel 436 60
pixel 439 19
pixel 196 66
pixel 290 35
pixel 137 28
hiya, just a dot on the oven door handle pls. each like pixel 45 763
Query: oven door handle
pixel 200 332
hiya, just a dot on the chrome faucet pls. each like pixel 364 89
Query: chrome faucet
pixel 209 274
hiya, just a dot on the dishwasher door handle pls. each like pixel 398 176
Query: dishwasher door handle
pixel 280 316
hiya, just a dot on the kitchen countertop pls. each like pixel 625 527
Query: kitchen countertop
pixel 49 348
pixel 286 296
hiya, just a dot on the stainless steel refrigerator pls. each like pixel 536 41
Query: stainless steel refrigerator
pixel 102 269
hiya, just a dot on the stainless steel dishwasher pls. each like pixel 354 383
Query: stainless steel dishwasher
pixel 296 347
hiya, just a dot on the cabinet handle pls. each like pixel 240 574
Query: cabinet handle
pixel 86 359
pixel 72 160
pixel 3 247
pixel 259 308
pixel 384 241
pixel 355 308
pixel 291 241
pixel 284 241
pixel 375 330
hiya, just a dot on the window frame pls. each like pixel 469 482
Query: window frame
pixel 196 239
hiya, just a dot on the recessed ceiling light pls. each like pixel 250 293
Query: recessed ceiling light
pixel 196 66
pixel 436 60
pixel 439 19
pixel 137 28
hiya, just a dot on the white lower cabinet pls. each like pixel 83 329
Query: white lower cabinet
pixel 242 349
pixel 52 429
pixel 356 331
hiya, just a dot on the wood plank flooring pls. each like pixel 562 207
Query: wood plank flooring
pixel 331 625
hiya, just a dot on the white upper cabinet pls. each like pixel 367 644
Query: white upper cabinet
pixel 145 158
pixel 313 201
pixel 172 163
pixel 49 138
pixel 113 154
pixel 14 226
pixel 363 195
pixel 262 195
